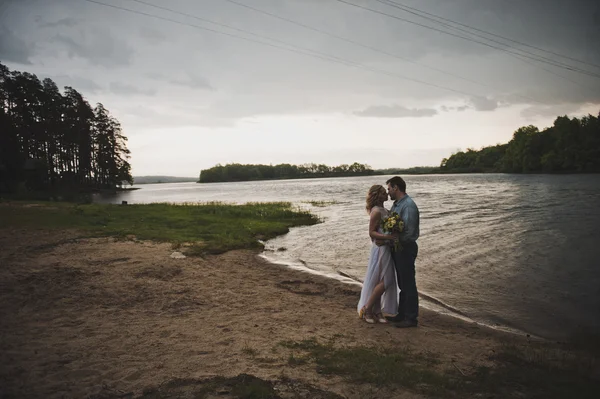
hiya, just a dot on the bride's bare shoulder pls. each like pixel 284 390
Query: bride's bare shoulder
pixel 375 211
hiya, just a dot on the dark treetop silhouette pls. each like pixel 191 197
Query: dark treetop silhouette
pixel 53 141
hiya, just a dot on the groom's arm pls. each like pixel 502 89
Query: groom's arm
pixel 410 217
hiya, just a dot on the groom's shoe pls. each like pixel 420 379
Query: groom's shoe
pixel 406 324
pixel 395 319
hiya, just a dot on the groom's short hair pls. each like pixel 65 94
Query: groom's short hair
pixel 398 182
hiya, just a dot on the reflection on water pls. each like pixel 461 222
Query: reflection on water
pixel 516 251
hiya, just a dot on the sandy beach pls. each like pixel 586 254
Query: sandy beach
pixel 104 318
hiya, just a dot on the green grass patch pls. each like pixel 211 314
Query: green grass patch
pixel 364 364
pixel 248 350
pixel 294 360
pixel 209 227
pixel 520 371
pixel 243 387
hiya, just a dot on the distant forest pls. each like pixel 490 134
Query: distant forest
pixel 568 146
pixel 415 170
pixel 162 179
pixel 51 141
pixel 239 172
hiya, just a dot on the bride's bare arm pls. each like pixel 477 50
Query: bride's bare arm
pixel 374 221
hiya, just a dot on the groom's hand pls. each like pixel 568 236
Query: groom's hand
pixel 379 243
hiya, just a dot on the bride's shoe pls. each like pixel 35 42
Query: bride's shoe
pixel 380 318
pixel 367 315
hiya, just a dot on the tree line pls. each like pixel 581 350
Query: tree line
pixel 570 145
pixel 56 141
pixel 240 172
pixel 415 170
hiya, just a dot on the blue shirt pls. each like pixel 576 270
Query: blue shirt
pixel 409 213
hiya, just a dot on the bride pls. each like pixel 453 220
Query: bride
pixel 379 293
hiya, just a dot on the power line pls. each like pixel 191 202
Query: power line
pixel 511 50
pixel 520 58
pixel 466 38
pixel 209 30
pixel 550 71
pixel 232 28
pixel 294 48
pixel 494 34
pixel 377 49
pixel 324 32
pixel 478 35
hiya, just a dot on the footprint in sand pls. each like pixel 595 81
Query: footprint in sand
pixel 305 287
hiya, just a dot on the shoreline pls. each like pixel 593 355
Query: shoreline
pixel 437 173
pixel 425 301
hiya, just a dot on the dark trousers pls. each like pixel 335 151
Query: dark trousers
pixel 404 260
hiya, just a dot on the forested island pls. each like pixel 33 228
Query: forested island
pixel 53 142
pixel 240 172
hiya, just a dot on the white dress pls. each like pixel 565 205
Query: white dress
pixel 381 267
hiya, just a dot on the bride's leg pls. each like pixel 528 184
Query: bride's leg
pixel 377 307
pixel 376 295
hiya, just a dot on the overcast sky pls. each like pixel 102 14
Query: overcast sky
pixel 189 98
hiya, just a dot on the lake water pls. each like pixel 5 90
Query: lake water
pixel 517 252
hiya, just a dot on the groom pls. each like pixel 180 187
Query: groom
pixel 404 258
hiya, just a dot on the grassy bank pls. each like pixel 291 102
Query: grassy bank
pixel 200 228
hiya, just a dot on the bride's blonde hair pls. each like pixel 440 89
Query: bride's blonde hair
pixel 373 195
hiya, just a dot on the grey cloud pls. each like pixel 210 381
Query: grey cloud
pixel 79 83
pixel 239 106
pixel 128 90
pixel 152 35
pixel 13 48
pixel 226 109
pixel 155 76
pixel 395 111
pixel 67 21
pixel 462 108
pixel 484 103
pixel 563 27
pixel 549 110
pixel 191 80
pixel 258 80
pixel 563 92
pixel 194 82
pixel 157 117
pixel 139 111
pixel 100 48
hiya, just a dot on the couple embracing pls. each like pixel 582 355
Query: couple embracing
pixel 392 259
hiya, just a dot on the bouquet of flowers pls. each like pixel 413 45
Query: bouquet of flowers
pixel 393 224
